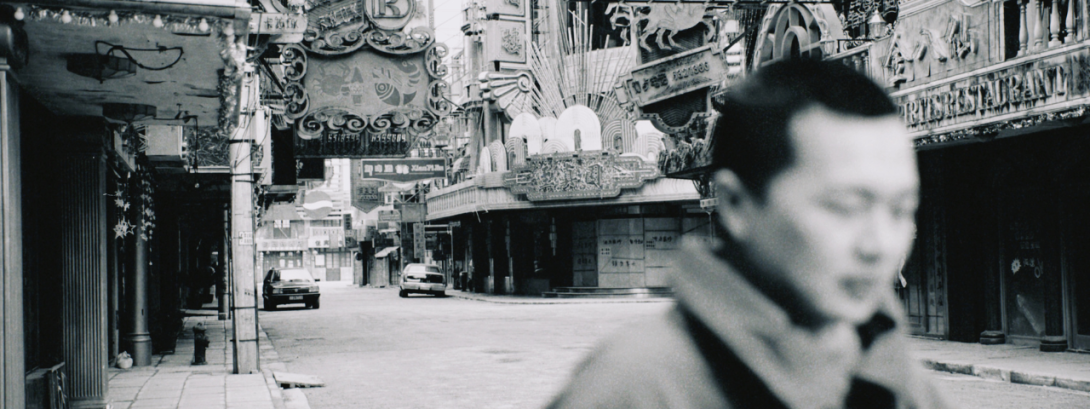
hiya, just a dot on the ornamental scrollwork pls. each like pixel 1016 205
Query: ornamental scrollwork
pixel 397 42
pixel 317 123
pixel 439 98
pixel 433 60
pixel 294 61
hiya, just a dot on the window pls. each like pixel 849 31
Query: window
pixel 282 261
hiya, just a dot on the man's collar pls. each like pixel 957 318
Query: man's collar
pixel 803 368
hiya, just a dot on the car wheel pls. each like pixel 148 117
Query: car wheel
pixel 403 294
pixel 314 304
pixel 269 306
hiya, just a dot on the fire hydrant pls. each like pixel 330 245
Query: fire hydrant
pixel 200 344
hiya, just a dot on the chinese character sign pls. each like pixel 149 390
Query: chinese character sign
pixel 401 170
pixel 365 194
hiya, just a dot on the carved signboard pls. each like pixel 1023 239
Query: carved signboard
pixel 401 170
pixel 665 78
pixel 361 84
pixel 569 175
pixel 1042 85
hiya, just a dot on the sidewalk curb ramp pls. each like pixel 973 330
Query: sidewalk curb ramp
pixel 1007 375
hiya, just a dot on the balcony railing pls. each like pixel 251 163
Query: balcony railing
pixel 1043 24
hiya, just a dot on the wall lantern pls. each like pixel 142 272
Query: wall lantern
pixel 101 67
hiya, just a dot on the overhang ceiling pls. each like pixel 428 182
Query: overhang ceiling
pixel 189 87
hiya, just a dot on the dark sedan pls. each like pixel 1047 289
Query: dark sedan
pixel 289 286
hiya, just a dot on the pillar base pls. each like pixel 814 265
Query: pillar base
pixel 993 338
pixel 1053 344
pixel 87 403
pixel 141 349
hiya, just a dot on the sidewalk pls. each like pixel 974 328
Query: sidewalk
pixel 1007 363
pixel 532 299
pixel 172 382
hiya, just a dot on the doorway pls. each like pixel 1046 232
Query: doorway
pixel 1076 249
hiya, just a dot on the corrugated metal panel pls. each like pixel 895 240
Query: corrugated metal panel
pixel 83 251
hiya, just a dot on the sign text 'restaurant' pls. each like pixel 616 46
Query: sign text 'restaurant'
pixel 989 94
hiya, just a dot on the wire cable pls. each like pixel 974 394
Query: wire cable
pixel 125 50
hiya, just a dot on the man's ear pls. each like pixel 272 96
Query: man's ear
pixel 735 203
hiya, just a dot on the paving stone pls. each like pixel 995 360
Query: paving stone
pixel 154 403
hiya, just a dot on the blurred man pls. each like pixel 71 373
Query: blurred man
pixel 792 306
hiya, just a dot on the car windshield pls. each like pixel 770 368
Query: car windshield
pixel 291 276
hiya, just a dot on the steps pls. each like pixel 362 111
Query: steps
pixel 599 292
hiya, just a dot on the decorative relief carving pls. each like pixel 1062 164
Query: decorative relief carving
pixel 357 103
pixel 562 176
pixel 512 41
pixel 661 21
pixel 343 26
pixel 959 37
pixel 510 91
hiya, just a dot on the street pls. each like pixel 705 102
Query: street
pixel 376 350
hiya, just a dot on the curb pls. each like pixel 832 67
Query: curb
pixel 1007 375
pixel 497 300
pixel 282 398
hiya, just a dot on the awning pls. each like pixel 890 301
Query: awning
pixel 385 252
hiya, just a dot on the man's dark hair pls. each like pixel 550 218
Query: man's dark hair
pixel 751 135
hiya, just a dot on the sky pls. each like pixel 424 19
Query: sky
pixel 448 25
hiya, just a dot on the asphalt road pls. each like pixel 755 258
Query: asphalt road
pixel 376 350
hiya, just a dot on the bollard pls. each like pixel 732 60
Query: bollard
pixel 200 344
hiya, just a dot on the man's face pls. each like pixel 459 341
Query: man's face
pixel 835 225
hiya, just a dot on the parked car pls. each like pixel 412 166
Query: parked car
pixel 289 286
pixel 422 278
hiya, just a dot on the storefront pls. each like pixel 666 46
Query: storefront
pixel 998 113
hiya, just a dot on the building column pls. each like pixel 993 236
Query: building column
pixel 113 292
pixel 12 390
pixel 138 338
pixel 1055 339
pixel 83 232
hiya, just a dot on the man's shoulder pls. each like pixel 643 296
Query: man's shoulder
pixel 650 363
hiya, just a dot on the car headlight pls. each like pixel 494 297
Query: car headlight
pixel 277 290
pixel 313 289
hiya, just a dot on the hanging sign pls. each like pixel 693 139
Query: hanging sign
pixel 679 74
pixel 278 23
pixel 389 216
pixel 365 193
pixel 361 83
pixel 403 170
pixel 418 240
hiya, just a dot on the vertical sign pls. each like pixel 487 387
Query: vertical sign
pixel 418 240
pixel 365 194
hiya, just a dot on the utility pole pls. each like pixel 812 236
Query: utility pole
pixel 242 231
